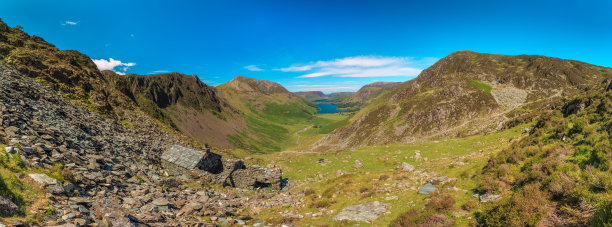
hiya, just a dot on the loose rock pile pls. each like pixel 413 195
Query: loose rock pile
pixel 117 179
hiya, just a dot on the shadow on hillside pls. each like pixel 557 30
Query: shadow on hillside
pixel 7 193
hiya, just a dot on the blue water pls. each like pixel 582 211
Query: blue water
pixel 329 108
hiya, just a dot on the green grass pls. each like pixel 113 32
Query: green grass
pixel 455 158
pixel 480 85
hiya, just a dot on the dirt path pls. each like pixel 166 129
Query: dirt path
pixel 297 135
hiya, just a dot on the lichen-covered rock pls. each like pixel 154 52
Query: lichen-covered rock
pixel 362 212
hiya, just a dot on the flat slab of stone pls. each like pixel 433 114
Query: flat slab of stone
pixel 488 197
pixel 427 188
pixel 42 179
pixel 362 212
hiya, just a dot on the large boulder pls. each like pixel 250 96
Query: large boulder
pixel 257 177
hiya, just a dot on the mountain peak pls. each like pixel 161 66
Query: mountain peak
pixel 248 84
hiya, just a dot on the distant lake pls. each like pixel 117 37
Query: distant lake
pixel 329 108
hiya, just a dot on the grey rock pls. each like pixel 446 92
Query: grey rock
pixel 55 189
pixel 42 179
pixel 10 150
pixel 358 165
pixel 362 212
pixel 484 198
pixel 427 188
pixel 405 167
pixel 7 207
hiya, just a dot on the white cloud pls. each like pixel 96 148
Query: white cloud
pixel 362 66
pixel 71 23
pixel 159 71
pixel 324 87
pixel 111 64
pixel 252 68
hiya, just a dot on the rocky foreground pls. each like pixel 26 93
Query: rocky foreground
pixel 113 173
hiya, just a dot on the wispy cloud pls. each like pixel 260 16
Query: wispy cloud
pixel 323 87
pixel 71 23
pixel 159 71
pixel 111 64
pixel 253 68
pixel 362 66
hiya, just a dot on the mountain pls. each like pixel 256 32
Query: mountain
pixel 311 96
pixel 370 91
pixel 180 104
pixel 466 93
pixel 269 111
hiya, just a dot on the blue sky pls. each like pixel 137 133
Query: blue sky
pixel 312 45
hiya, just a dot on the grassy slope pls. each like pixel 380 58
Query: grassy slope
pixel 273 118
pixel 461 159
pixel 564 165
pixel 25 193
pixel 453 98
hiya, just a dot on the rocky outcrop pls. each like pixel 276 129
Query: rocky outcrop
pixel 7 207
pixel 115 171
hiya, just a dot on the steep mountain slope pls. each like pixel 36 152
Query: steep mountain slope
pixel 272 113
pixel 178 103
pixel 311 96
pixel 182 102
pixel 560 174
pixel 463 94
pixel 68 71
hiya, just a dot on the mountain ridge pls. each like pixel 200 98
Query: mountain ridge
pixel 485 85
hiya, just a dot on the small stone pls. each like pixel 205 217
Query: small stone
pixel 160 202
pixel 55 189
pixel 339 173
pixel 79 222
pixel 427 188
pixel 405 167
pixel 391 198
pixel 69 216
pixel 10 150
pixel 358 165
pixel 488 197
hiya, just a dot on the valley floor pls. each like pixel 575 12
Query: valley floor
pixel 326 183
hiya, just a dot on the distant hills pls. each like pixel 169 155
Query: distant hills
pixel 311 96
pixel 466 93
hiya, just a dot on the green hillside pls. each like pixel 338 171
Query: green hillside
pixel 466 93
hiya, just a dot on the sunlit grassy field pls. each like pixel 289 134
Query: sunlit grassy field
pixel 327 193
